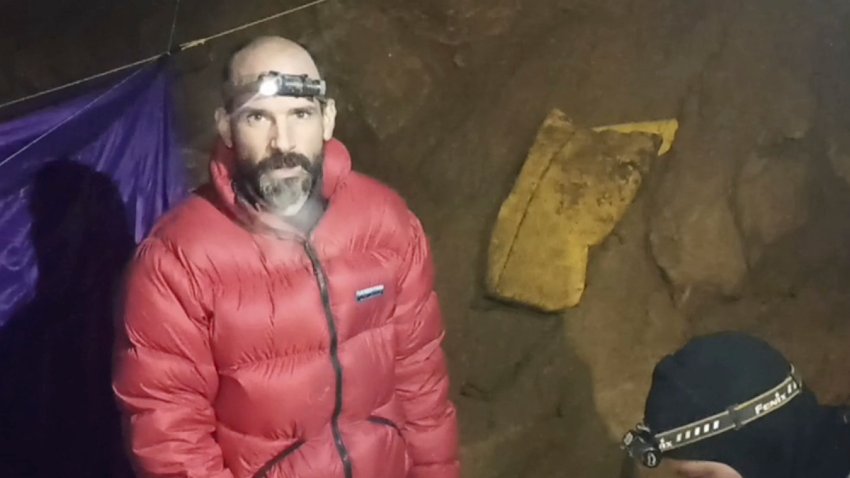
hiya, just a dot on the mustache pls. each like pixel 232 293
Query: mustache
pixel 281 160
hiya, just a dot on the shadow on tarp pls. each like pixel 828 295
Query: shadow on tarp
pixel 58 417
pixel 66 173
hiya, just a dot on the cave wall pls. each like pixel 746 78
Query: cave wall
pixel 441 100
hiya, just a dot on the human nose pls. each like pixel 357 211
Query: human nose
pixel 279 136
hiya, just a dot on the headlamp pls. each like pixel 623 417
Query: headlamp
pixel 277 84
pixel 273 83
pixel 646 446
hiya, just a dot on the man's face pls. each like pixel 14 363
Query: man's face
pixel 278 140
pixel 279 143
pixel 701 469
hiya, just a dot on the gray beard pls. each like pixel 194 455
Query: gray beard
pixel 258 185
pixel 279 194
pixel 274 195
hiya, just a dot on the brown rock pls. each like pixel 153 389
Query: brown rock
pixel 771 200
pixel 697 244
pixel 382 76
pixel 839 156
pixel 793 110
pixel 460 21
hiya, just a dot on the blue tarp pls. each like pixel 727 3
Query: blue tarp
pixel 80 184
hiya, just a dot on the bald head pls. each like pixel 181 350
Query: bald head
pixel 268 53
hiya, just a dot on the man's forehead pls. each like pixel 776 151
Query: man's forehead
pixel 278 104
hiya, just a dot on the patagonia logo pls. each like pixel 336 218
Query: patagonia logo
pixel 372 292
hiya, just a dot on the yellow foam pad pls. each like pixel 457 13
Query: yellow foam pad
pixel 575 185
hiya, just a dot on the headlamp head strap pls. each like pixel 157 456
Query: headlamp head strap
pixel 647 447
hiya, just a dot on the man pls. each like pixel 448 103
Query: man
pixel 729 405
pixel 282 322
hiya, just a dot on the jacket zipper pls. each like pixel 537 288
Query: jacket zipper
pixel 322 280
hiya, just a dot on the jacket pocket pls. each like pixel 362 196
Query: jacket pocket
pixel 385 422
pixel 278 459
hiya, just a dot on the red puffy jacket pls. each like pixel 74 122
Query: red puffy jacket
pixel 246 355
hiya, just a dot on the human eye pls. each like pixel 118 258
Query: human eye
pixel 303 113
pixel 254 117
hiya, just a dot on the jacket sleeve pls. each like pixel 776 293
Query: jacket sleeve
pixel 422 378
pixel 164 376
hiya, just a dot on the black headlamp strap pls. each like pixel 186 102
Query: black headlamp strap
pixel 733 418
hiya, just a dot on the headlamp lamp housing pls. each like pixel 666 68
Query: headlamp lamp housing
pixel 273 83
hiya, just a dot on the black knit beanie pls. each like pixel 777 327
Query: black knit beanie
pixel 712 373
